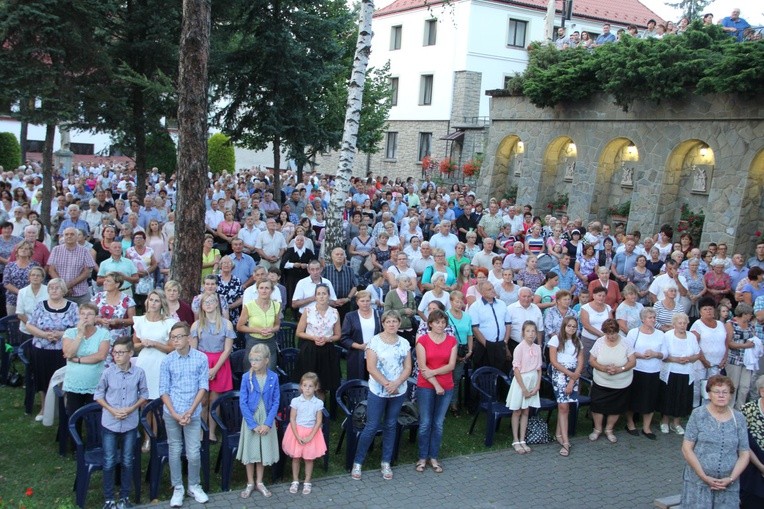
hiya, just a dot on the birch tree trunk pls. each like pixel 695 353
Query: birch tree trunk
pixel 549 21
pixel 334 229
pixel 192 146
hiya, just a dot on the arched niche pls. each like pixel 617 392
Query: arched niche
pixel 614 181
pixel 686 181
pixel 558 170
pixel 752 210
pixel 507 166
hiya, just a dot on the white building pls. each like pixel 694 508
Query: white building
pixel 442 59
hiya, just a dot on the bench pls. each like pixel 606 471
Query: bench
pixel 667 502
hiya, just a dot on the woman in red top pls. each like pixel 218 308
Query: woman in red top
pixel 436 356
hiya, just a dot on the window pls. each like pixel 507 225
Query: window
pixel 391 146
pixel 430 32
pixel 396 33
pixel 506 81
pixel 35 146
pixel 393 91
pixel 425 90
pixel 517 29
pixel 425 142
pixel 83 149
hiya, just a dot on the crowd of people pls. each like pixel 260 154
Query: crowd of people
pixel 733 25
pixel 428 281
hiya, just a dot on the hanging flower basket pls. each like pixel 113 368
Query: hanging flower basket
pixel 447 166
pixel 471 168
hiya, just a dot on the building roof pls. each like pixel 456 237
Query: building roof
pixel 624 12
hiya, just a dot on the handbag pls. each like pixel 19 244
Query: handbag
pixel 537 432
pixel 367 264
pixel 145 285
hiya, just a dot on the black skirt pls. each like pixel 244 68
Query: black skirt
pixel 609 401
pixel 676 399
pixel 43 364
pixel 321 360
pixel 645 392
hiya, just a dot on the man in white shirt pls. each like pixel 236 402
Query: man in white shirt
pixel 444 239
pixel 424 260
pixel 521 311
pixel 213 217
pixel 249 234
pixel 485 257
pixel 670 278
pixel 305 291
pixel 513 219
pixel 270 245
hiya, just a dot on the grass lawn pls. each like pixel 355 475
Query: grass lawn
pixel 29 457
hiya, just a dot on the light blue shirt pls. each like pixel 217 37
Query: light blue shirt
pixel 181 377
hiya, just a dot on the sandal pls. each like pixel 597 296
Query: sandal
pixel 559 439
pixel 420 465
pixel 565 451
pixel 247 491
pixel 355 474
pixel 610 436
pixel 262 489
pixel 294 487
pixel 594 435
pixel 306 488
pixel 525 446
pixel 387 472
pixel 519 449
pixel 436 466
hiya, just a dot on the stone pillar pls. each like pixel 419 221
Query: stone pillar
pixel 63 157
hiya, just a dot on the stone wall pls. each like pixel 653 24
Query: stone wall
pixel 706 152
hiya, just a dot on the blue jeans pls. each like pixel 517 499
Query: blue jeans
pixel 375 410
pixel 111 440
pixel 176 436
pixel 432 413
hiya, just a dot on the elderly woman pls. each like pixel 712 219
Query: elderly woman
pixel 360 248
pixel 456 262
pixel 649 345
pixel 470 247
pixel 402 301
pixel 716 449
pixel 177 308
pixel 666 309
pixel 554 315
pixel 47 324
pixel 440 265
pixel 16 275
pixel 85 348
pixel 696 285
pixel 143 258
pixel 740 332
pixel 230 288
pixel 436 357
pixel 613 296
pixel 752 479
pixel 678 374
pixel 388 360
pixel 641 277
pixel 358 328
pixel 438 292
pixel 613 361
pixel 718 282
pixel 713 345
pixel 628 312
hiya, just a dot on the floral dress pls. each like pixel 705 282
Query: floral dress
pixel 108 311
pixel 18 277
pixel 532 281
pixel 642 281
pixel 142 263
pixel 586 267
pixel 382 256
pixel 231 291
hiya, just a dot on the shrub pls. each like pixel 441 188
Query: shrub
pixel 10 151
pixel 220 154
pixel 161 152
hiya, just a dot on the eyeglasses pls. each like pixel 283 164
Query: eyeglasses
pixel 179 336
pixel 256 359
pixel 119 352
pixel 720 393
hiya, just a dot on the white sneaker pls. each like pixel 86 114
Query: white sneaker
pixel 679 430
pixel 664 428
pixel 198 493
pixel 177 497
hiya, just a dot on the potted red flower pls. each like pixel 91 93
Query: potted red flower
pixel 447 166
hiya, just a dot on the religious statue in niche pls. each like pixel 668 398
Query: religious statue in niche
pixel 570 169
pixel 518 164
pixel 699 179
pixel 627 180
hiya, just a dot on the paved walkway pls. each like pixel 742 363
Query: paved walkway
pixel 629 474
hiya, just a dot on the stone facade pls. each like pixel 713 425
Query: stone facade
pixel 706 152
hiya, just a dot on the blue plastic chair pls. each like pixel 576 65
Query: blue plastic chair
pixel 287 364
pixel 89 451
pixel 226 413
pixel 348 395
pixel 485 382
pixel 239 365
pixel 286 336
pixel 160 450
pixel 288 391
pixel 412 428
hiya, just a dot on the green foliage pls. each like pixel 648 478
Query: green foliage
pixel 10 151
pixel 161 152
pixel 693 9
pixel 220 153
pixel 702 60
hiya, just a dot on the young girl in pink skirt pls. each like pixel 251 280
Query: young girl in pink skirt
pixel 304 439
pixel 524 390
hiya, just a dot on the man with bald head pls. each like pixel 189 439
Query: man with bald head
pixel 73 263
pixel 343 281
pixel 490 328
